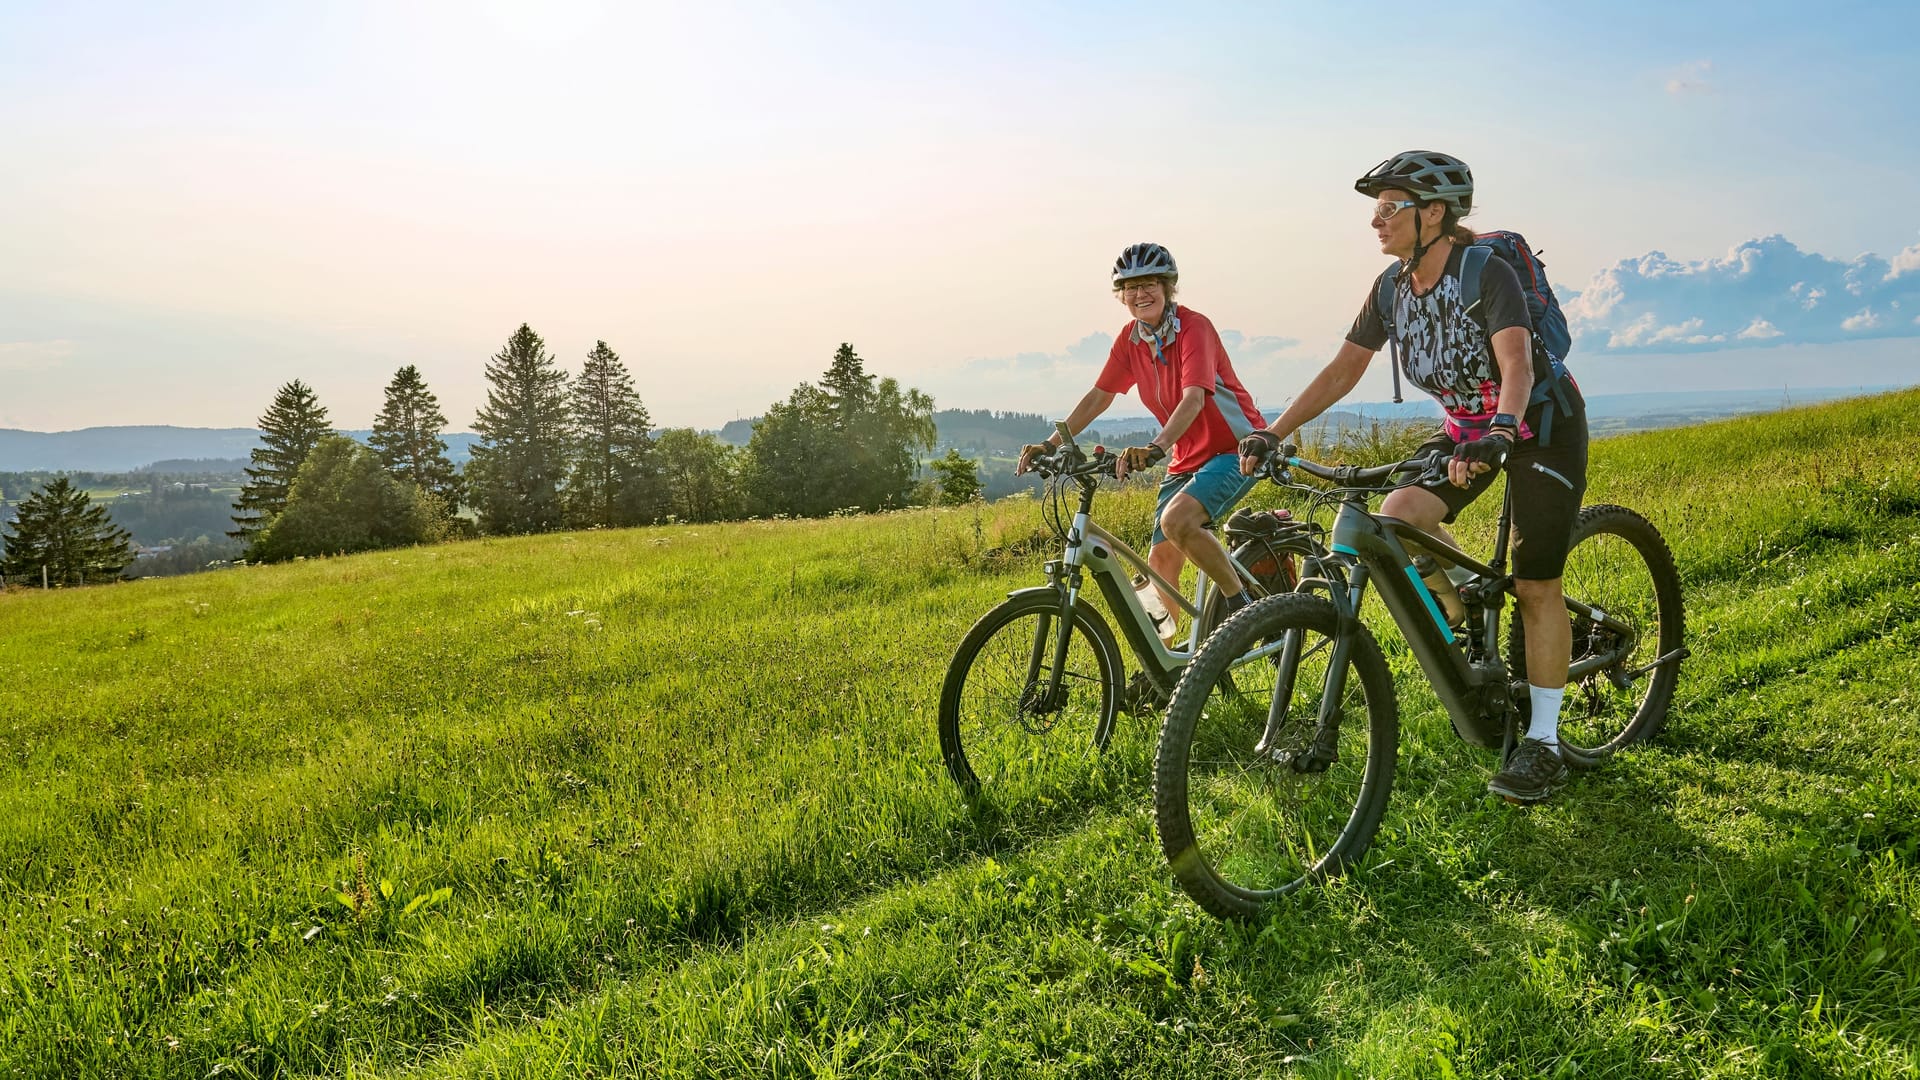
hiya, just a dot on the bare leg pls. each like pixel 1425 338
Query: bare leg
pixel 1419 508
pixel 1543 608
pixel 1167 561
pixel 1185 524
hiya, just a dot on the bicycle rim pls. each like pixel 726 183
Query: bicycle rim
pixel 1619 564
pixel 1000 730
pixel 1244 822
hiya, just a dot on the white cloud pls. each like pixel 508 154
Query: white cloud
pixel 34 355
pixel 1762 292
pixel 1907 261
pixel 1690 78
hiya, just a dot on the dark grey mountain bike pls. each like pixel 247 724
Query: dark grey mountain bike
pixel 1274 773
pixel 1035 686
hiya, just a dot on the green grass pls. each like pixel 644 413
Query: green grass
pixel 668 802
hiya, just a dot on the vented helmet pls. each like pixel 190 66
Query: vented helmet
pixel 1427 173
pixel 1145 260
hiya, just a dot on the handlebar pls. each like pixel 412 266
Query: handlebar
pixel 1378 477
pixel 1069 460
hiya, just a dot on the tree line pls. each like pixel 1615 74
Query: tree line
pixel 555 451
pixel 561 451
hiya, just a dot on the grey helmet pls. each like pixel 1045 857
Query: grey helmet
pixel 1145 260
pixel 1427 173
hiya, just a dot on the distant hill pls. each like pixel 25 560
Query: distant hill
pixel 983 433
pixel 126 449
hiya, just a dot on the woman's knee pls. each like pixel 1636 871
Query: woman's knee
pixel 1415 506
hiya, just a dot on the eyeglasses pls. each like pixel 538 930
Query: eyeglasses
pixel 1137 286
pixel 1384 211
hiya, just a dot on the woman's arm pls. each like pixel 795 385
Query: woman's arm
pixel 1335 380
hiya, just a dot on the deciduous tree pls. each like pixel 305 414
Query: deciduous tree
pixel 700 475
pixel 848 443
pixel 958 478
pixel 345 501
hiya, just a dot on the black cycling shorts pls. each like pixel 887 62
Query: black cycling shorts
pixel 1548 483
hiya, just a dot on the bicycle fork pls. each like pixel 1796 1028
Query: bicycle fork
pixel 1066 581
pixel 1324 748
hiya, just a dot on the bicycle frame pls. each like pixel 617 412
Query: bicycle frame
pixel 1093 550
pixel 1464 667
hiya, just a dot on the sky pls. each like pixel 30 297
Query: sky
pixel 202 201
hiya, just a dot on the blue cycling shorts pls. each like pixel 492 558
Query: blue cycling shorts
pixel 1217 485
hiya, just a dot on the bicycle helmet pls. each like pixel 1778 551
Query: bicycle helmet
pixel 1427 173
pixel 1145 260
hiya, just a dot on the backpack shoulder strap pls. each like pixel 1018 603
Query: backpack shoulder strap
pixel 1383 295
pixel 1383 306
pixel 1473 261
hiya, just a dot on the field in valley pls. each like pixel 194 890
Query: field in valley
pixel 668 802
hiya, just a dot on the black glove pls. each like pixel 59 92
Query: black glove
pixel 1028 453
pixel 1260 445
pixel 1143 457
pixel 1490 449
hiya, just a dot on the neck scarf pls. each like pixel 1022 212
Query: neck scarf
pixel 1159 336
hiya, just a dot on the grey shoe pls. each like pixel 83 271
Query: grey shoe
pixel 1533 773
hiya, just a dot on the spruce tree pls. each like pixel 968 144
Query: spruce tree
pixel 58 532
pixel 406 436
pixel 521 458
pixel 613 482
pixel 291 427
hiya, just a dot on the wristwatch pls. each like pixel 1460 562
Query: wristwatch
pixel 1505 420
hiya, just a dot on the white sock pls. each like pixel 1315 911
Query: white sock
pixel 1544 724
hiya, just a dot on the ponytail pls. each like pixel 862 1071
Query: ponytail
pixel 1450 227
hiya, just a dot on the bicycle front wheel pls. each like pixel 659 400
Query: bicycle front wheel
pixel 1618 563
pixel 1006 721
pixel 1257 788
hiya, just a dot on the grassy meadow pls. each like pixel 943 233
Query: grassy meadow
pixel 668 802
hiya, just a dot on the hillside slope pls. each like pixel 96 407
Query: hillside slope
pixel 668 802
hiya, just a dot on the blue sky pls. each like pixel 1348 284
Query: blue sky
pixel 203 201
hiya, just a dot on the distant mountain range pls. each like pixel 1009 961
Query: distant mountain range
pixel 980 432
pixel 129 449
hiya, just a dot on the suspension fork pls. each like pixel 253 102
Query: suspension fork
pixel 1066 576
pixel 1327 722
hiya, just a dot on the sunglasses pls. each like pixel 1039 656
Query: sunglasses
pixel 1138 287
pixel 1384 211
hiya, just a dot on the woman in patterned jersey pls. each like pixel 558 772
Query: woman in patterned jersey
pixel 1481 365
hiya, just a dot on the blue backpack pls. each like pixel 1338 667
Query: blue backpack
pixel 1551 338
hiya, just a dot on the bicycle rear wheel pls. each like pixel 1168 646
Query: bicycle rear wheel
pixel 1618 563
pixel 1253 796
pixel 1001 726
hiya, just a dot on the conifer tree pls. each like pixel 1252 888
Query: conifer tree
pixel 514 477
pixel 406 436
pixel 291 427
pixel 58 532
pixel 613 482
